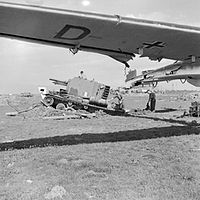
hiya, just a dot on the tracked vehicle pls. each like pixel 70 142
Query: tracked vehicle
pixel 82 94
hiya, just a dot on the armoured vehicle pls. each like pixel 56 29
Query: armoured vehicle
pixel 79 93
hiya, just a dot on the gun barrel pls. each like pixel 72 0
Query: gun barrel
pixel 58 82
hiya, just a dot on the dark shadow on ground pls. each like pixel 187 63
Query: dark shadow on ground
pixel 89 138
pixel 169 120
pixel 166 110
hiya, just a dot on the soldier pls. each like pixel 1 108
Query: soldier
pixel 151 100
pixel 82 75
pixel 120 99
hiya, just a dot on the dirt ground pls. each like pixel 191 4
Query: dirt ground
pixel 146 156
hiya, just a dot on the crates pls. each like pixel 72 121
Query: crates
pixel 194 110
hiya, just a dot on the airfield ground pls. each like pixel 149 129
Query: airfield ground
pixel 148 156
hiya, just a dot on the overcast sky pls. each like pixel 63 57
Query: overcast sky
pixel 26 66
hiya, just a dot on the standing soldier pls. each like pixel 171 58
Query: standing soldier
pixel 120 99
pixel 151 101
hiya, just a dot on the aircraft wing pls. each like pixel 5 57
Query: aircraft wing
pixel 118 37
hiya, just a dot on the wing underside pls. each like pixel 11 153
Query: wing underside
pixel 118 37
pixel 184 71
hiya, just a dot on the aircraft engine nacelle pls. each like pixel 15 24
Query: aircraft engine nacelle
pixel 195 82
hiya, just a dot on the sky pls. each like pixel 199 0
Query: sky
pixel 25 66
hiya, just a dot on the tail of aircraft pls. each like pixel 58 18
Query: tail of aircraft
pixel 131 75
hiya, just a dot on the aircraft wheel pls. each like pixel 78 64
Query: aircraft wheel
pixel 48 100
pixel 60 106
